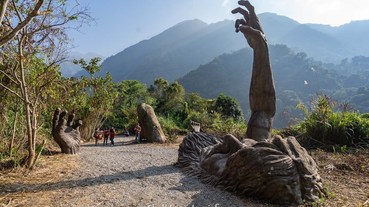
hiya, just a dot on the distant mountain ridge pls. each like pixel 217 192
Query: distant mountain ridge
pixel 297 79
pixel 322 42
pixel 172 53
pixel 189 44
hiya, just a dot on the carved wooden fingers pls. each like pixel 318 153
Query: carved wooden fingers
pixel 249 25
pixel 66 131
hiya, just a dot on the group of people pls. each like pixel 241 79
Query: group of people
pixel 106 134
pixel 110 133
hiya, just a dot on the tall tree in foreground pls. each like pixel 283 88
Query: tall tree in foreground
pixel 32 44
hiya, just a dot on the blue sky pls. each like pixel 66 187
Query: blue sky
pixel 122 23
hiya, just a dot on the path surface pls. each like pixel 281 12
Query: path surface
pixel 131 174
pixel 126 174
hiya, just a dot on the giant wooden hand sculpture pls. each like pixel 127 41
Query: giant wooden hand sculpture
pixel 66 133
pixel 275 169
pixel 262 93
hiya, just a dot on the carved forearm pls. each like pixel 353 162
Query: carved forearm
pixel 262 90
pixel 262 93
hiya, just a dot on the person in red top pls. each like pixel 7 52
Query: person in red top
pixel 97 136
pixel 112 135
pixel 106 136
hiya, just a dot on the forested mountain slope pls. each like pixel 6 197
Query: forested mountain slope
pixel 297 79
pixel 183 47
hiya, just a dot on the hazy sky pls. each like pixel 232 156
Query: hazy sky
pixel 122 23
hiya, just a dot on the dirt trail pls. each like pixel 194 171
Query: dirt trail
pixel 126 174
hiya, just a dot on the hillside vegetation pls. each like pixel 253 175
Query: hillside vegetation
pixel 297 77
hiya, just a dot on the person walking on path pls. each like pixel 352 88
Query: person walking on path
pixel 112 135
pixel 137 132
pixel 106 136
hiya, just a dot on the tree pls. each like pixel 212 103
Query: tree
pixel 169 97
pixel 32 44
pixel 228 107
pixel 197 103
pixel 92 67
pixel 100 95
pixel 131 94
pixel 174 98
pixel 24 18
pixel 158 91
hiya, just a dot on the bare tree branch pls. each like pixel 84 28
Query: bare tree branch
pixel 21 25
pixel 3 6
pixel 10 78
pixel 11 91
pixel 17 12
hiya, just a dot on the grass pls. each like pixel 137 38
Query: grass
pixel 15 183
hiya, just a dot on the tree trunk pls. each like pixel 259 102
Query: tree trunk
pixel 34 126
pixel 27 106
pixel 11 144
pixel 31 149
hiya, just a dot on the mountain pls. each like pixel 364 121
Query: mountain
pixel 174 52
pixel 322 42
pixel 354 35
pixel 297 78
pixel 189 44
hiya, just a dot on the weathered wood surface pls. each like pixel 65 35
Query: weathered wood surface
pixel 150 126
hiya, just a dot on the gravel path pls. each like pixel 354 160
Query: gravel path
pixel 126 174
pixel 138 175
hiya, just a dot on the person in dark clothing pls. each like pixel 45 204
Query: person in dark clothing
pixel 137 132
pixel 106 136
pixel 112 136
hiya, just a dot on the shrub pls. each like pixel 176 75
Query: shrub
pixel 170 129
pixel 325 127
pixel 214 123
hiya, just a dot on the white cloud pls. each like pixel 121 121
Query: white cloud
pixel 225 3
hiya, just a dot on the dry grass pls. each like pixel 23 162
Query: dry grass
pixel 346 177
pixel 18 186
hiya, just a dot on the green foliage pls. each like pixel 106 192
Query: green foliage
pixel 170 128
pixel 223 126
pixel 228 106
pixel 324 126
pixel 176 109
pixel 169 97
pixel 92 67
pixel 131 93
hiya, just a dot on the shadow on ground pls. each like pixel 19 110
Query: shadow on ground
pixel 91 181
